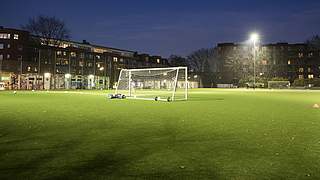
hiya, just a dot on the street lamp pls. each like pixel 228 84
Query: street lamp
pixel 254 38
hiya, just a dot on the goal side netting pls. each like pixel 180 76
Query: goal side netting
pixel 154 83
pixel 278 84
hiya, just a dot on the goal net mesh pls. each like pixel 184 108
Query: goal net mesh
pixel 162 83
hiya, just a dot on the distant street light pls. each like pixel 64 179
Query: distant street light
pixel 254 38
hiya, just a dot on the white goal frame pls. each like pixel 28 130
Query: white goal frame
pixel 130 95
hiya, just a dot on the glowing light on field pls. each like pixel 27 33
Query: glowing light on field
pixel 67 75
pixel 91 76
pixel 254 37
pixel 47 75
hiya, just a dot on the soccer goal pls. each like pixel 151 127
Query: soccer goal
pixel 278 84
pixel 160 84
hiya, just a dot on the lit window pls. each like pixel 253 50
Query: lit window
pixel 289 62
pixel 73 54
pixel 8 46
pixel 115 59
pixel 309 69
pixel 4 36
pixel 35 69
pixel 15 36
pixel 301 77
pixel 310 54
pixel 59 52
pixel 98 56
pixel 98 65
pixel 310 76
pixel 121 60
pixel 300 55
pixel 1 46
pixel 158 61
pixel 264 62
pixel 28 68
pixel 64 53
pixel 8 56
pixel 301 70
pixel 1 57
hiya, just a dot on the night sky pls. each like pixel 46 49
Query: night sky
pixel 167 27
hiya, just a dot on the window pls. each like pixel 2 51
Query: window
pixel 158 61
pixel 1 46
pixel 301 70
pixel 4 36
pixel 15 36
pixel 1 57
pixel 28 68
pixel 309 69
pixel 64 53
pixel 115 59
pixel 310 54
pixel 289 62
pixel 8 46
pixel 98 56
pixel 300 55
pixel 59 52
pixel 310 76
pixel 73 54
pixel 301 77
pixel 264 62
pixel 8 56
pixel 89 64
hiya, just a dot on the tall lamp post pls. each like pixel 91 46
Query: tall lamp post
pixel 254 38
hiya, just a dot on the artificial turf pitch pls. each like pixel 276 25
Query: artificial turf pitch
pixel 216 134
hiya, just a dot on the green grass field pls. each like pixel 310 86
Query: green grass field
pixel 216 134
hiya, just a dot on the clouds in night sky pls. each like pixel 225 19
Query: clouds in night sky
pixel 174 27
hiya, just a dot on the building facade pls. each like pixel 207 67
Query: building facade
pixel 281 60
pixel 26 62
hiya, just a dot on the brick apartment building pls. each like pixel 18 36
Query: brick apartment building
pixel 280 60
pixel 26 63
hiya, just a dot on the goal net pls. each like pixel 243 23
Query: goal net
pixel 278 84
pixel 166 84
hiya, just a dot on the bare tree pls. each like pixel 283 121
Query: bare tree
pixel 50 29
pixel 314 42
pixel 200 59
pixel 176 60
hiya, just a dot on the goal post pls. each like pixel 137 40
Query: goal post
pixel 163 84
